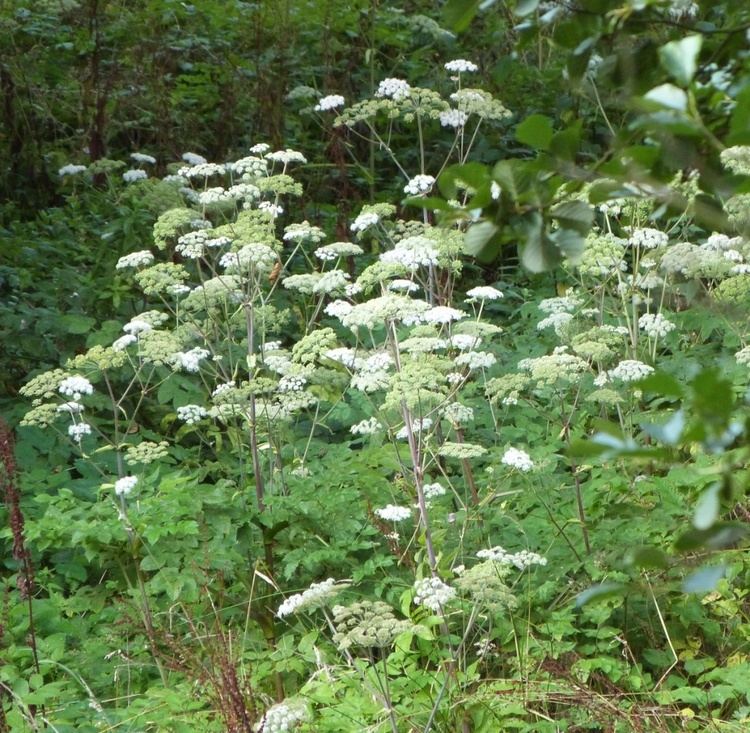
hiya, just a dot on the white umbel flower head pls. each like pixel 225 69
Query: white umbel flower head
pixel 433 490
pixel 143 158
pixel 124 485
pixel 522 559
pixel 338 308
pixel 476 360
pixel 364 221
pixel 412 253
pixel 332 101
pixel 75 387
pixel 311 598
pixel 630 370
pixel 647 238
pixel 194 159
pixel 287 156
pixel 76 431
pixel 405 286
pixel 417 426
pixel 464 341
pixel 134 174
pixel 433 593
pixel 484 292
pixel 124 341
pixel 655 325
pixel 441 314
pixel 460 66
pixel 453 118
pixel 419 184
pixel 743 356
pixel 191 414
pixel 270 208
pixel 190 360
pixel 519 459
pixel 142 258
pixel 393 513
pixel 73 408
pixel 394 88
pixel 283 717
pixel 136 326
pixel 71 170
pixel 366 427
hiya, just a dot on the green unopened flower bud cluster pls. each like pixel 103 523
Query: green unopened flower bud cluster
pixel 367 624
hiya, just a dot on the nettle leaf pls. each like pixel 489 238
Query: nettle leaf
pixel 704 580
pixel 535 131
pixel 680 58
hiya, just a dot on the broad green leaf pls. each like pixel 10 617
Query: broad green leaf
pixel 459 13
pixel 716 537
pixel 76 323
pixel 662 384
pixel 680 58
pixel 668 95
pixel 576 215
pixel 708 507
pixel 539 253
pixel 535 131
pixel 472 174
pixel 713 397
pixel 606 190
pixel 648 557
pixel 565 144
pixel 669 432
pixel 739 124
pixel 513 176
pixel 478 236
pixel 704 580
pixel 570 243
pixel 599 592
pixel 431 203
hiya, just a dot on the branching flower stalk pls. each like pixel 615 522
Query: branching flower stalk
pixel 415 456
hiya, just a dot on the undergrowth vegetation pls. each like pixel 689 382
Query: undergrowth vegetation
pixel 430 416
